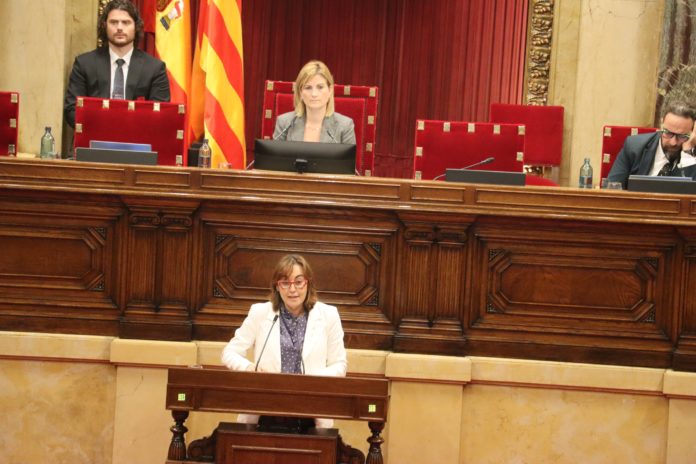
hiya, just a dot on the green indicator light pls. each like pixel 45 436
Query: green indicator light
pixel 181 397
pixel 372 408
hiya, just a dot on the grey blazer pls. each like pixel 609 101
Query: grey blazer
pixel 335 129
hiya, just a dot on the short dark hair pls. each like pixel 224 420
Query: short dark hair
pixel 129 8
pixel 680 108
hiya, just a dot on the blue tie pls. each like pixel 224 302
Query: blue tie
pixel 119 93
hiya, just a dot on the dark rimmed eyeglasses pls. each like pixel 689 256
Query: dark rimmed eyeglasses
pixel 299 283
pixel 669 135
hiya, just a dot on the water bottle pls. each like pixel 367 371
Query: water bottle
pixel 586 175
pixel 48 145
pixel 204 154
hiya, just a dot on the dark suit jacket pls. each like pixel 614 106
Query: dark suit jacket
pixel 91 77
pixel 637 157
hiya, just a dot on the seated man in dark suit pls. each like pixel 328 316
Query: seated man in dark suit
pixel 667 152
pixel 117 69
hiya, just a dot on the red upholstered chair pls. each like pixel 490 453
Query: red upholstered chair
pixel 445 144
pixel 156 123
pixel 544 130
pixel 356 102
pixel 612 142
pixel 9 122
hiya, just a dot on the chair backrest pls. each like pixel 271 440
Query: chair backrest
pixel 455 144
pixel 544 130
pixel 159 124
pixel 9 122
pixel 357 102
pixel 612 143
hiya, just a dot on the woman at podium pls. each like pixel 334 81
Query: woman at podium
pixel 314 118
pixel 292 333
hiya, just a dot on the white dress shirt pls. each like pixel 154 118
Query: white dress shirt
pixel 687 159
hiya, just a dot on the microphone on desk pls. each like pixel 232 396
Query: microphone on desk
pixel 488 160
pixel 249 165
pixel 256 368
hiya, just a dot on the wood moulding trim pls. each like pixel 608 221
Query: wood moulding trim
pixel 539 48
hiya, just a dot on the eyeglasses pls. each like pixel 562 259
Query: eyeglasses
pixel 299 283
pixel 669 135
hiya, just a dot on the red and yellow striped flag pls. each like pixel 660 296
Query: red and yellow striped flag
pixel 173 45
pixel 216 100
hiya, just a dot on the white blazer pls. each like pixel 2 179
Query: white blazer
pixel 323 352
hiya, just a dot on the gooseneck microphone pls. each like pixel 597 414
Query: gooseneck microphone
pixel 263 348
pixel 488 160
pixel 284 131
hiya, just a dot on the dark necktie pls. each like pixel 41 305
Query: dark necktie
pixel 669 168
pixel 119 91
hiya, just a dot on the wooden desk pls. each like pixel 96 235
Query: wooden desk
pixel 276 394
pixel 431 267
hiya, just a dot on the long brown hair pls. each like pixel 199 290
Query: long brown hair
pixel 282 272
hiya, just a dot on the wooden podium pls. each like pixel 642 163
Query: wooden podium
pixel 191 389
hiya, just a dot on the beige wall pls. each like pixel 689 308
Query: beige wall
pixel 71 398
pixel 40 40
pixel 603 71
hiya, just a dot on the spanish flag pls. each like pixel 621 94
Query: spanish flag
pixel 173 45
pixel 216 100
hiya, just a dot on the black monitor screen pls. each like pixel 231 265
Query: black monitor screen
pixel 317 157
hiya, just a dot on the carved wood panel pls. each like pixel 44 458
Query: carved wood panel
pixel 433 276
pixel 158 269
pixel 351 257
pixel 575 280
pixel 685 353
pixel 465 270
pixel 56 260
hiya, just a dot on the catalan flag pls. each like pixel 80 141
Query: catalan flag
pixel 216 100
pixel 173 45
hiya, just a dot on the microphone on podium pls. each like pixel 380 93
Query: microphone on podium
pixel 256 367
pixel 488 160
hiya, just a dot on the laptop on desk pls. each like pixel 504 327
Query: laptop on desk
pixel 485 177
pixel 111 155
pixel 662 184
pixel 120 145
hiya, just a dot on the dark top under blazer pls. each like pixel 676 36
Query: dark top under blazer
pixel 91 77
pixel 336 128
pixel 637 157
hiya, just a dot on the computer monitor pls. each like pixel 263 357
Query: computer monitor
pixel 311 157
pixel 661 184
pixel 106 155
pixel 120 145
pixel 481 176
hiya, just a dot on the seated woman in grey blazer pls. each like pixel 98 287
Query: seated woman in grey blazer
pixel 314 118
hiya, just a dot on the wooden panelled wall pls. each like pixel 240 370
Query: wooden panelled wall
pixel 180 254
